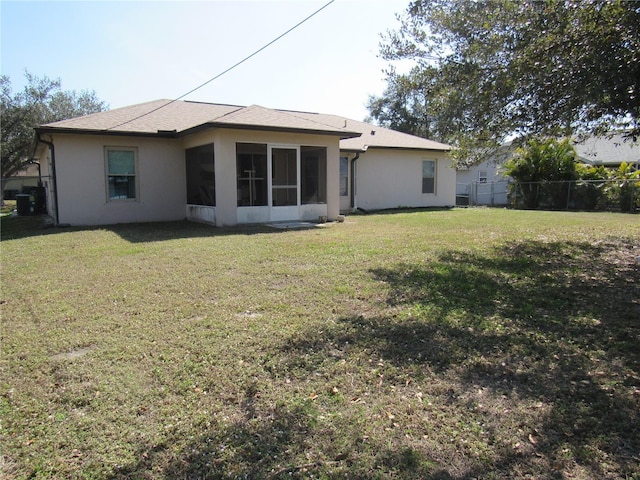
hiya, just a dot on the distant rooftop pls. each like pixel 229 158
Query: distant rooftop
pixel 608 151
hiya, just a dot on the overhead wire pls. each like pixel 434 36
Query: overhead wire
pixel 228 69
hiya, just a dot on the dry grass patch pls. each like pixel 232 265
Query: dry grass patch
pixel 444 345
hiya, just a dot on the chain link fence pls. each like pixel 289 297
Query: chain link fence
pixel 477 193
pixel 596 195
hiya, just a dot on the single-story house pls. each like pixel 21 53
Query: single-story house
pixel 228 165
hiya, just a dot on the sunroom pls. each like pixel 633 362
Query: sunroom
pixel 274 182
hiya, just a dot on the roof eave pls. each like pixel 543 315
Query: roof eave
pixel 417 149
pixel 269 128
pixel 353 150
pixel 189 131
pixel 119 133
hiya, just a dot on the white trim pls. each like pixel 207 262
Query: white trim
pixel 136 175
pixel 435 176
pixel 271 213
pixel 201 213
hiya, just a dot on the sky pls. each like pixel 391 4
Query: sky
pixel 131 52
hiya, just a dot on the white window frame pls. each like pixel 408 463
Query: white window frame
pixel 435 175
pixel 482 176
pixel 135 176
pixel 345 192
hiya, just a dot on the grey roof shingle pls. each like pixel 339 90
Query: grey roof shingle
pixel 147 117
pixel 179 117
pixel 374 136
pixel 608 151
pixel 164 116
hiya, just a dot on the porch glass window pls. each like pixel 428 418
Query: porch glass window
pixel 251 173
pixel 344 176
pixel 121 173
pixel 313 182
pixel 201 178
pixel 428 176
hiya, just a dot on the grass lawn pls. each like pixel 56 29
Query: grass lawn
pixel 7 207
pixel 468 343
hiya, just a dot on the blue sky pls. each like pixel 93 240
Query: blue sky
pixel 131 52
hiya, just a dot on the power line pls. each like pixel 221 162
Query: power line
pixel 228 69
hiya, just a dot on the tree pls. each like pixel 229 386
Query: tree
pixel 540 162
pixel 485 70
pixel 41 101
pixel 403 107
pixel 624 189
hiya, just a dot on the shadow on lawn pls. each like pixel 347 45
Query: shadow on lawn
pixel 551 323
pixel 14 228
pixel 246 448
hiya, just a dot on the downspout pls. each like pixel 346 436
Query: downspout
pixel 353 181
pixel 53 176
pixel 35 162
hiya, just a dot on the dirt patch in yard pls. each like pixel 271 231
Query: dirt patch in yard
pixel 72 355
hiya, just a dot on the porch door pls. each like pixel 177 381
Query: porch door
pixel 285 182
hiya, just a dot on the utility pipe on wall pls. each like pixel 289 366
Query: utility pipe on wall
pixel 53 176
pixel 353 181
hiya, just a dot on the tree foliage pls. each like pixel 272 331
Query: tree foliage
pixel 484 70
pixel 542 160
pixel 41 101
pixel 546 173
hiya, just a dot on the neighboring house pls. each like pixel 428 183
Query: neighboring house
pixel 609 152
pixel 228 165
pixel 484 184
pixel 28 178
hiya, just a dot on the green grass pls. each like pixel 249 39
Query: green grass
pixel 451 344
pixel 7 207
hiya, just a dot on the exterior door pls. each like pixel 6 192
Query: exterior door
pixel 285 183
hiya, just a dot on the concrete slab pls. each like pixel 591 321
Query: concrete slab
pixel 290 225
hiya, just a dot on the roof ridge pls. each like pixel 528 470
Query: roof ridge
pixel 213 103
pixel 286 110
pixel 315 121
pixel 227 113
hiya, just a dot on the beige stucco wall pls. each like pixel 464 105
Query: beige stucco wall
pixel 82 185
pixel 391 178
pixel 161 187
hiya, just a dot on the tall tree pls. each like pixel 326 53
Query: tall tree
pixel 484 70
pixel 41 101
pixel 403 107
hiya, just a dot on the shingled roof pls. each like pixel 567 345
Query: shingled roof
pixel 179 118
pixel 169 118
pixel 373 136
pixel 608 151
